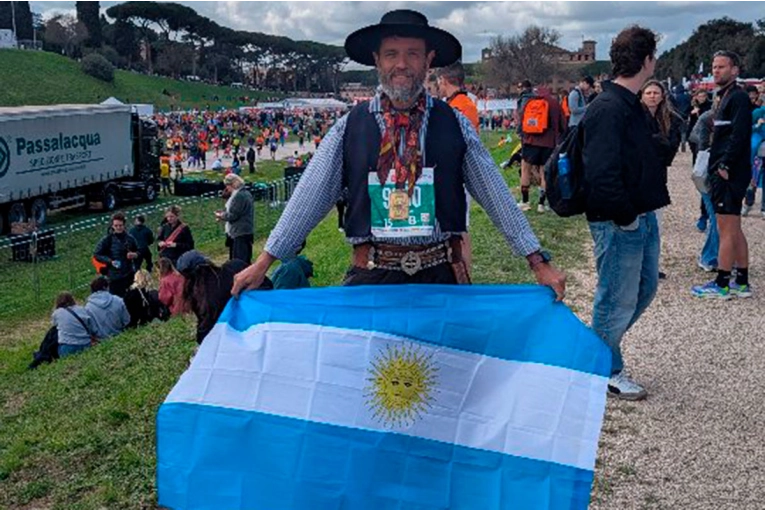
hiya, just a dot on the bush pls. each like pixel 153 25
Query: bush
pixel 97 66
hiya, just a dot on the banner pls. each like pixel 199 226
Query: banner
pixel 377 397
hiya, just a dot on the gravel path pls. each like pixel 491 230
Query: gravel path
pixel 698 441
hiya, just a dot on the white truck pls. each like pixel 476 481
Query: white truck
pixel 61 157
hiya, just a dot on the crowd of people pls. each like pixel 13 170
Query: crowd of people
pixel 238 135
pixel 378 162
pixel 124 294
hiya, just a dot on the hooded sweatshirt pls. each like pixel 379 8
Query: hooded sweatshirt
pixel 293 274
pixel 70 330
pixel 109 313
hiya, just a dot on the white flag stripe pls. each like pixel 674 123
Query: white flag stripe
pixel 322 374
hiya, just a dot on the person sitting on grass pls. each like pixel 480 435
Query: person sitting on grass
pixel 207 287
pixel 109 313
pixel 74 324
pixel 171 287
pixel 143 302
pixel 294 273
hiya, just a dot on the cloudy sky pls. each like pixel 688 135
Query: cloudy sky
pixel 474 23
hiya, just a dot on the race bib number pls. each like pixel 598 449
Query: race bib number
pixel 395 214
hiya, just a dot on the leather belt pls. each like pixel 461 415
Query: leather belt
pixel 409 259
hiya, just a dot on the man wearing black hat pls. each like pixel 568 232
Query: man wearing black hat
pixel 405 159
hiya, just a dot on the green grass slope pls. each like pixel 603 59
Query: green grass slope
pixel 37 78
pixel 80 433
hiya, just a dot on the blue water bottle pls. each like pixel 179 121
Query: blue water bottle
pixel 564 176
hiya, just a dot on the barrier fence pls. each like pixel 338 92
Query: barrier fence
pixel 35 267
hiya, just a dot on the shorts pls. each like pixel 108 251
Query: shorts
pixel 727 196
pixel 535 155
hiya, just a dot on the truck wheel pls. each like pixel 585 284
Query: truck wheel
pixel 110 199
pixel 39 211
pixel 17 213
pixel 150 194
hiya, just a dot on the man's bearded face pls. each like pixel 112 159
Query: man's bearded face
pixel 402 65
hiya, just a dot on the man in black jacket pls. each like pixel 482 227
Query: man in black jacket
pixel 627 183
pixel 118 250
pixel 144 238
pixel 730 172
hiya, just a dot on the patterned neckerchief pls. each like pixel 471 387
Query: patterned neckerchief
pixel 401 125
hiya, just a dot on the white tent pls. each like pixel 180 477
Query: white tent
pixel 144 110
pixel 112 100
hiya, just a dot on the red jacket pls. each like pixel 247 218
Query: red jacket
pixel 171 293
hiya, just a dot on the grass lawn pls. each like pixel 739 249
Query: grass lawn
pixel 79 434
pixel 37 78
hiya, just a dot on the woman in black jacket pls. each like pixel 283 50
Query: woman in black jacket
pixel 174 237
pixel 666 128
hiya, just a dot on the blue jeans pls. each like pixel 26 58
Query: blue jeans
pixel 628 277
pixel 65 350
pixel 712 242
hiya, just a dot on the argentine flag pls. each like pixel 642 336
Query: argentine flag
pixel 387 397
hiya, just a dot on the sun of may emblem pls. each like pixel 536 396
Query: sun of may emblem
pixel 402 382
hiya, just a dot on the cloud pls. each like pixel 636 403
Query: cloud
pixel 474 23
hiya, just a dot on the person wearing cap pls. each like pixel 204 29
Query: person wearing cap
pixel 577 100
pixel 238 216
pixel 406 160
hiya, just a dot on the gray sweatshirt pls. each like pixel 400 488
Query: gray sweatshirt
pixel 70 331
pixel 577 105
pixel 109 313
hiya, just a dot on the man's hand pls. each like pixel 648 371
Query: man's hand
pixel 549 275
pixel 252 277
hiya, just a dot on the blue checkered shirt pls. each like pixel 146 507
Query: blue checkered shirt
pixel 320 188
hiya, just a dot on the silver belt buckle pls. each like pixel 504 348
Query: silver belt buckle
pixel 411 263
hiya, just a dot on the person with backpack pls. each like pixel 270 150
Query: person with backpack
pixel 626 182
pixel 543 126
pixel 75 326
pixel 118 250
pixel 577 100
pixel 109 313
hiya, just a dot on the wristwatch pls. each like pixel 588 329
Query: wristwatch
pixel 538 257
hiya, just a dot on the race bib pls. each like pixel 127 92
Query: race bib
pixel 395 214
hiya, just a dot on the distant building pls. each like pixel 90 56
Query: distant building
pixel 583 56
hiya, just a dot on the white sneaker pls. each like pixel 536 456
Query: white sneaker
pixel 763 215
pixel 745 210
pixel 621 386
pixel 706 267
pixel 525 206
pixel 541 209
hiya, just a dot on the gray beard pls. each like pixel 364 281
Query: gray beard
pixel 400 94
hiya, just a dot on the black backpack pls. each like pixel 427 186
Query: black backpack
pixel 576 201
pixel 48 349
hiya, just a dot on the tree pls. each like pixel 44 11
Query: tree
pixel 530 55
pixel 66 34
pixel 87 14
pixel 174 59
pixel 685 59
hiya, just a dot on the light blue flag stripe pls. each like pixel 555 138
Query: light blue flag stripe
pixel 243 460
pixel 520 323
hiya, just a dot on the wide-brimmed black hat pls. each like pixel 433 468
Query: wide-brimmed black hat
pixel 403 23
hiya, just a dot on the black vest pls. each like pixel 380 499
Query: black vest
pixel 444 150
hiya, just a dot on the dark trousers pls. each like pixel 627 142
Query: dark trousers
pixel 120 286
pixel 241 248
pixel 340 213
pixel 144 254
pixel 441 273
pixel 251 164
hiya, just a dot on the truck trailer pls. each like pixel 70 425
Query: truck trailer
pixel 55 158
